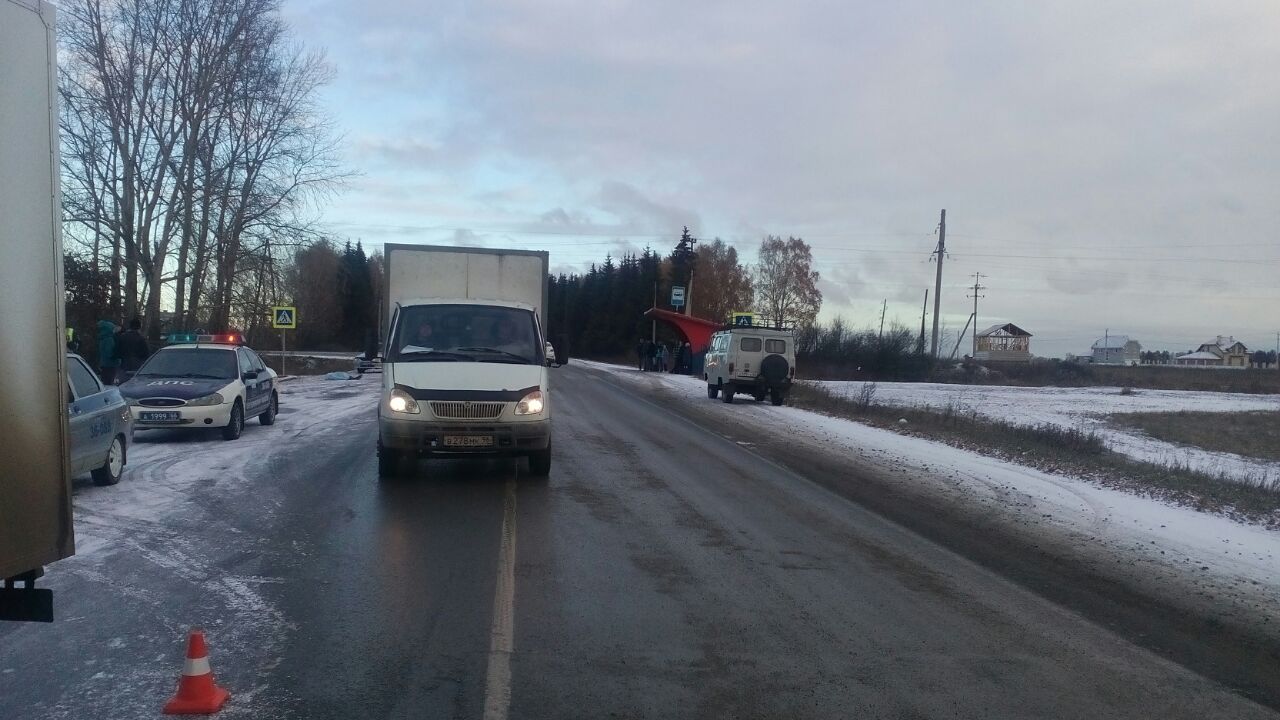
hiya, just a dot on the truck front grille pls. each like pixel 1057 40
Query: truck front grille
pixel 458 410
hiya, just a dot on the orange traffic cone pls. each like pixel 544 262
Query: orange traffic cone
pixel 197 694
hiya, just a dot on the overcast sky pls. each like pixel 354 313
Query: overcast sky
pixel 1105 165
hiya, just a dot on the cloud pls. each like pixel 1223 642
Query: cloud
pixel 1142 132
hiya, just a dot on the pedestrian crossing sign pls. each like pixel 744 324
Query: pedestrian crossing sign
pixel 284 317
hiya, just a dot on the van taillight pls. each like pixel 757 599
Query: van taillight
pixel 730 368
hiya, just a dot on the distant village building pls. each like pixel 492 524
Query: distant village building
pixel 1117 350
pixel 1224 352
pixel 1004 343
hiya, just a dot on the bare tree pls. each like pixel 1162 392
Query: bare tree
pixel 192 150
pixel 786 285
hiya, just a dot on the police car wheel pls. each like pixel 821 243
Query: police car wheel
pixel 113 468
pixel 235 426
pixel 269 416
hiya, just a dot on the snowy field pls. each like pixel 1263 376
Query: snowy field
pixel 1243 558
pixel 1088 408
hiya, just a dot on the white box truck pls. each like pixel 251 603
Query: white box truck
pixel 35 490
pixel 465 359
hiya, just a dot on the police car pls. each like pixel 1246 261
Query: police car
pixel 202 381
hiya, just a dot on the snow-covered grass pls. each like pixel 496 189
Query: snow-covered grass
pixel 1240 557
pixel 1088 409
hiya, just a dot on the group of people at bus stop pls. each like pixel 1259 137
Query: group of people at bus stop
pixel 657 357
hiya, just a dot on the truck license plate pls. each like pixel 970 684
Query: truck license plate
pixel 469 441
pixel 159 417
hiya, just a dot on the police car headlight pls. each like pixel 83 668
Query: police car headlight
pixel 207 400
pixel 531 404
pixel 401 402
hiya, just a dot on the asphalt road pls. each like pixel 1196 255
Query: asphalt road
pixel 663 570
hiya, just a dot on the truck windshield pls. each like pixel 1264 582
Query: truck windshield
pixel 469 333
pixel 190 362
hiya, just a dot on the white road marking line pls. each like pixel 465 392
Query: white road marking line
pixel 497 684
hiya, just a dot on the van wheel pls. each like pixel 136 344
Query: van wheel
pixel 389 462
pixel 712 391
pixel 540 462
pixel 777 397
pixel 760 396
pixel 113 468
pixel 726 393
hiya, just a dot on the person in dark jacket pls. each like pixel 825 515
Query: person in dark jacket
pixel 108 361
pixel 132 348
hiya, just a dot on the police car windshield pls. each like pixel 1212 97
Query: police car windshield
pixel 192 362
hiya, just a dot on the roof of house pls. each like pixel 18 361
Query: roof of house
pixel 1006 329
pixel 1226 342
pixel 1111 342
pixel 1199 355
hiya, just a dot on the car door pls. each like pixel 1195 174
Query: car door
pixel 252 385
pixel 265 381
pixel 89 417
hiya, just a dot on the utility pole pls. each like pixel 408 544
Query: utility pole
pixel 924 310
pixel 977 286
pixel 1278 351
pixel 883 308
pixel 941 252
pixel 1106 345
pixel 688 294
pixel 653 324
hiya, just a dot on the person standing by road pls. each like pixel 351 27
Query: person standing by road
pixel 640 354
pixel 108 360
pixel 132 349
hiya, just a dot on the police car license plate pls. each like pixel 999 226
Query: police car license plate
pixel 160 417
pixel 469 441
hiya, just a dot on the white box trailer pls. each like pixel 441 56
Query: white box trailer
pixel 35 490
pixel 432 271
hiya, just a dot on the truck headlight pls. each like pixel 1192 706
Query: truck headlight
pixel 214 399
pixel 531 404
pixel 402 402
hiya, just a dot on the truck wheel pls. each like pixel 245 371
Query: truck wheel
pixel 389 462
pixel 712 391
pixel 540 462
pixel 777 397
pixel 113 468
pixel 726 393
pixel 235 426
pixel 269 416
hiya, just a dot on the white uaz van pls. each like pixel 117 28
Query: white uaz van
pixel 752 360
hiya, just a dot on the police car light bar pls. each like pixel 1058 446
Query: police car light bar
pixel 229 338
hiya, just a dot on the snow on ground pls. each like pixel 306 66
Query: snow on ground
pixel 1088 408
pixel 1239 557
pixel 169 472
pixel 165 465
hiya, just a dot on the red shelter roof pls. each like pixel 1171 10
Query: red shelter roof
pixel 695 330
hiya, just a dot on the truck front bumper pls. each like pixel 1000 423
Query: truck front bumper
pixel 440 438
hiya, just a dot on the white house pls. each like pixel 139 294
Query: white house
pixel 1117 350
